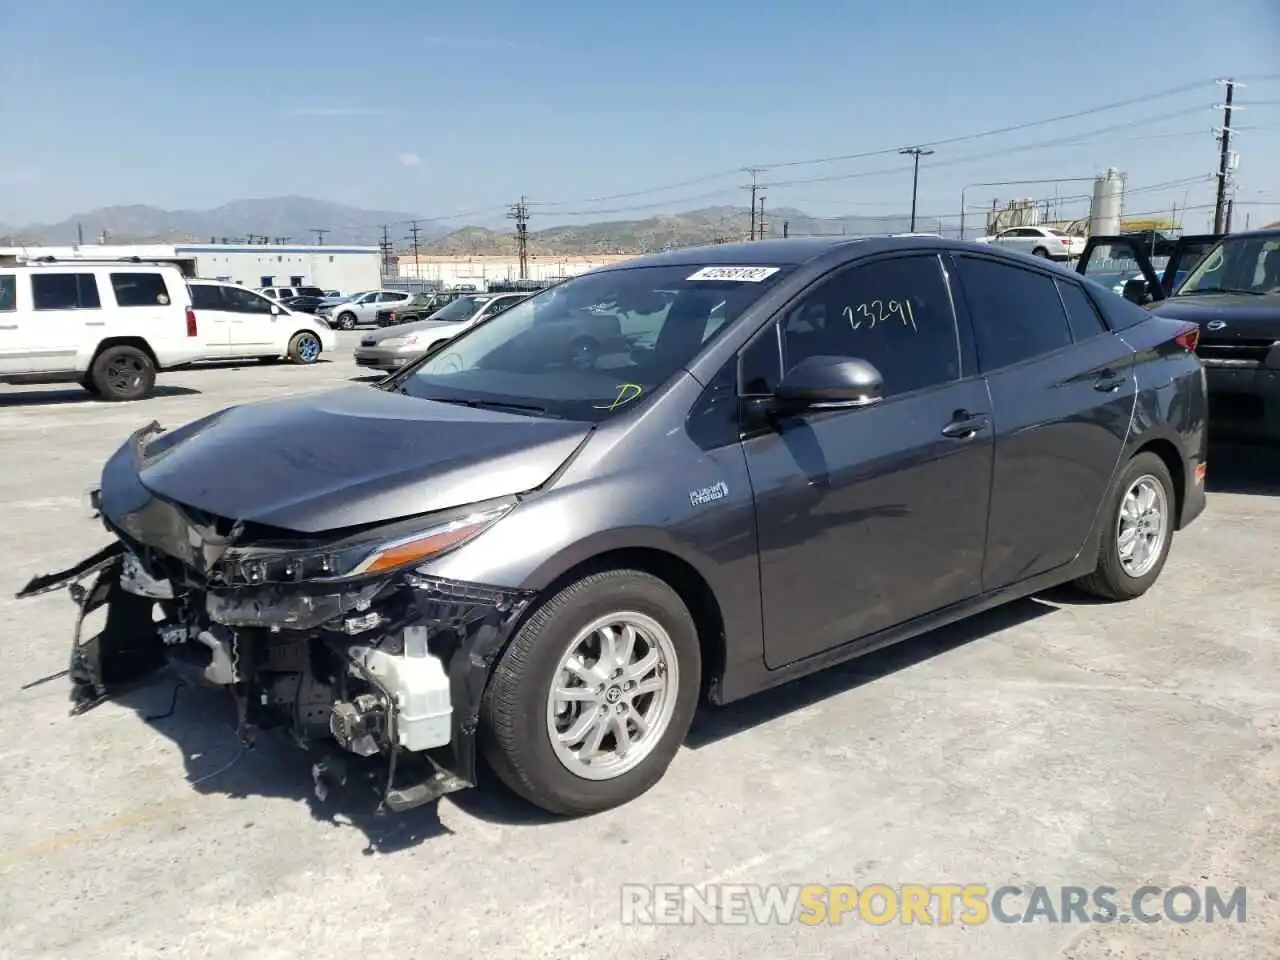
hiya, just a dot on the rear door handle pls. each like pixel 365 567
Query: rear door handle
pixel 1108 382
pixel 966 425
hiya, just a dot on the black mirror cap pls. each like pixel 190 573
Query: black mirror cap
pixel 840 381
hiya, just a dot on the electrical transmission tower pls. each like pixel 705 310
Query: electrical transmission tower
pixel 386 250
pixel 1226 161
pixel 414 233
pixel 754 187
pixel 519 212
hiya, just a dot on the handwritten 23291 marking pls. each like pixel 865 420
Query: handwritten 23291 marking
pixel 880 311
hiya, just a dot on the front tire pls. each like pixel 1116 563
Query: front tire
pixel 123 373
pixel 346 321
pixel 1138 524
pixel 304 348
pixel 591 700
pixel 1040 252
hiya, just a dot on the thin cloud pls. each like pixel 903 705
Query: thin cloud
pixel 343 112
pixel 409 160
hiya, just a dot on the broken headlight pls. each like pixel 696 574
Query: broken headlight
pixel 380 551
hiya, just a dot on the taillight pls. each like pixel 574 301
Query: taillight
pixel 191 322
pixel 1188 337
pixel 1065 241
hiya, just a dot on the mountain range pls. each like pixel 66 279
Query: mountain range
pixel 296 219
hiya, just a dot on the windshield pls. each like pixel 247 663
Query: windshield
pixel 459 309
pixel 1240 264
pixel 590 346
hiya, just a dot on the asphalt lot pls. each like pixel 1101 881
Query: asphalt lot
pixel 1053 742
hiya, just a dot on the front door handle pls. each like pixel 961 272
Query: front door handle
pixel 966 425
pixel 1108 382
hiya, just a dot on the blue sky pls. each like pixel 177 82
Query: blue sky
pixel 436 109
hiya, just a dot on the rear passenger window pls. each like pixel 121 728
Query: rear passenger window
pixel 206 297
pixel 64 291
pixel 8 292
pixel 1017 314
pixel 140 289
pixel 1082 315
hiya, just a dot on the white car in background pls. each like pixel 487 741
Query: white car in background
pixel 1047 242
pixel 237 323
pixel 362 308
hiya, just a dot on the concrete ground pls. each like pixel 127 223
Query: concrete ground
pixel 1052 742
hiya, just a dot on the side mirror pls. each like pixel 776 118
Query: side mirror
pixel 1138 290
pixel 831 383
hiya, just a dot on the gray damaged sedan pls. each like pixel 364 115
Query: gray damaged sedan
pixel 682 479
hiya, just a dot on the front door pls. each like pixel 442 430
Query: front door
pixel 869 518
pixel 1062 392
pixel 254 327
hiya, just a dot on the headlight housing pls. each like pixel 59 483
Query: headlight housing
pixel 373 553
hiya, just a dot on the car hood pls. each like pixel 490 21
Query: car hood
pixel 1243 314
pixel 346 458
pixel 404 329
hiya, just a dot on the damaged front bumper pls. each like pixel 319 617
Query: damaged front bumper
pixel 382 674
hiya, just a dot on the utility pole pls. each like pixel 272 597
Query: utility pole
pixel 414 232
pixel 386 251
pixel 753 186
pixel 320 235
pixel 786 229
pixel 762 216
pixel 915 153
pixel 519 212
pixel 80 234
pixel 1224 161
pixel 1230 209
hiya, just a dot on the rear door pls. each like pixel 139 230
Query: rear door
pixel 1062 391
pixel 213 319
pixel 1124 266
pixel 11 326
pixel 66 310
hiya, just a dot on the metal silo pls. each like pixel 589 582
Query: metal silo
pixel 1108 203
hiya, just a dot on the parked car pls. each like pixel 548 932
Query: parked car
pixel 391 348
pixel 805 450
pixel 303 304
pixel 418 307
pixel 362 308
pixel 1046 242
pixel 240 323
pixel 285 293
pixel 109 326
pixel 1229 286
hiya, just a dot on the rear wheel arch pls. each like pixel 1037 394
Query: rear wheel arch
pixel 136 342
pixel 1168 453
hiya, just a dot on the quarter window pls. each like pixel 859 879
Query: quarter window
pixel 895 314
pixel 1017 314
pixel 64 291
pixel 139 289
pixel 1082 315
pixel 8 292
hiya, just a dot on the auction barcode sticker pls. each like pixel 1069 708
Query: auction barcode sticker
pixel 741 274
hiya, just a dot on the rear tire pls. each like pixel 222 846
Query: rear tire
pixel 655 679
pixel 1138 524
pixel 346 321
pixel 123 373
pixel 1040 252
pixel 304 348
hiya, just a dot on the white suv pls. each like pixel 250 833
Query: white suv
pixel 107 325
pixel 236 322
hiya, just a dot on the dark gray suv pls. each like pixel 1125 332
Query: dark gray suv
pixel 688 477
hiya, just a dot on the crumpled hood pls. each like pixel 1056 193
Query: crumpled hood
pixel 350 457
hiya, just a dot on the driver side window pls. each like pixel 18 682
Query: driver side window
pixel 896 314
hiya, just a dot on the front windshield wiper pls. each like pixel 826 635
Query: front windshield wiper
pixel 495 405
pixel 1192 293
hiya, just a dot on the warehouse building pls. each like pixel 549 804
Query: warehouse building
pixel 348 269
pixel 479 271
